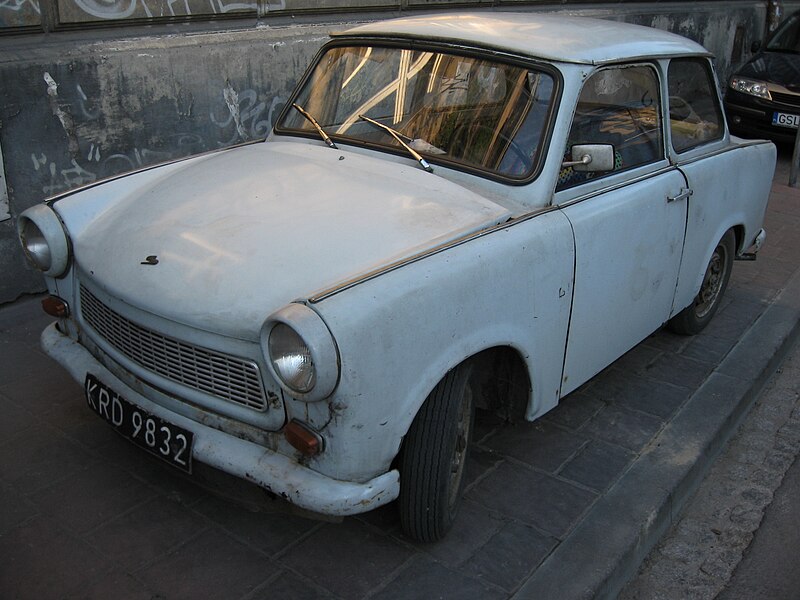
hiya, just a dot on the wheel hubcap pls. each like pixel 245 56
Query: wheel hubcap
pixel 461 444
pixel 712 283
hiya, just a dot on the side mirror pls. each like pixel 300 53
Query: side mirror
pixel 591 158
pixel 755 46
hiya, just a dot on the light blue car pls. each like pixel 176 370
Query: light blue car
pixel 452 211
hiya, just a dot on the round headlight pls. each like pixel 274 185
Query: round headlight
pixel 300 352
pixel 44 240
pixel 35 246
pixel 291 358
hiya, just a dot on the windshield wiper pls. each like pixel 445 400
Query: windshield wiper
pixel 325 137
pixel 399 137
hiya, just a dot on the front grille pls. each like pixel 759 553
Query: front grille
pixel 792 100
pixel 233 379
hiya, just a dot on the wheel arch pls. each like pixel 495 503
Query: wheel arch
pixel 499 378
pixel 699 269
pixel 739 232
pixel 696 316
pixel 501 381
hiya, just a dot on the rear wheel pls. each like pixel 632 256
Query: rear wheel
pixel 433 459
pixel 694 318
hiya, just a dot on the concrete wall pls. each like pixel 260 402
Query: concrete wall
pixel 77 106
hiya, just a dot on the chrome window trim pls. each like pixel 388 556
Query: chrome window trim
pixel 614 186
pixel 340 287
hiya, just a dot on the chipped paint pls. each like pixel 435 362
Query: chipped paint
pixel 5 214
pixel 232 101
pixel 64 117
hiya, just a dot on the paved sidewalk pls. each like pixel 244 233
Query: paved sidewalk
pixel 737 539
pixel 562 508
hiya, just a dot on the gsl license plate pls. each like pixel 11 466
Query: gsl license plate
pixel 159 437
pixel 786 120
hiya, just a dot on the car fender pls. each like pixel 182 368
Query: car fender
pixel 400 332
pixel 717 204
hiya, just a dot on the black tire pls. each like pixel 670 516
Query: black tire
pixel 433 458
pixel 694 318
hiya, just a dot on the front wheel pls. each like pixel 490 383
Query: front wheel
pixel 694 318
pixel 433 459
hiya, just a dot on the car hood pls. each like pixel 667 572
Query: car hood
pixel 222 241
pixel 782 68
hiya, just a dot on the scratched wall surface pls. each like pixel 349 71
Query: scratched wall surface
pixel 96 111
pixel 27 13
pixel 125 110
pixel 84 11
pixel 75 109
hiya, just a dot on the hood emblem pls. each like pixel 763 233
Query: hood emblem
pixel 150 260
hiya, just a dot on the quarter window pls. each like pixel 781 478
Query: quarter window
pixel 618 106
pixel 694 113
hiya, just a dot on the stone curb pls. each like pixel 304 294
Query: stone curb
pixel 605 550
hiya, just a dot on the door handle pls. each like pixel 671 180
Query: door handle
pixel 683 195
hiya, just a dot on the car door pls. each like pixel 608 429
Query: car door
pixel 628 223
pixel 727 179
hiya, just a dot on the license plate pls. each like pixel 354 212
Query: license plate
pixel 159 437
pixel 786 120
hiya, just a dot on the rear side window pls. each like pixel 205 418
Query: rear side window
pixel 617 106
pixel 695 116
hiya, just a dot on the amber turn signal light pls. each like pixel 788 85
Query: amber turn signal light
pixel 307 441
pixel 55 307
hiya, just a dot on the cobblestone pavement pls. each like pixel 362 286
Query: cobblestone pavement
pixel 700 553
pixel 85 514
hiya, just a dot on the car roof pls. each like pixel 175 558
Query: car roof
pixel 552 37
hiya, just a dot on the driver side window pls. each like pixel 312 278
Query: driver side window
pixel 618 106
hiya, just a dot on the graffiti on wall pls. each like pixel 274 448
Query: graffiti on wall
pixel 20 5
pixel 28 13
pixel 56 179
pixel 248 117
pixel 110 9
pixel 20 13
pixel 79 11
pixel 58 174
pixel 235 116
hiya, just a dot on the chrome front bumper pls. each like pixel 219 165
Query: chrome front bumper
pixel 273 471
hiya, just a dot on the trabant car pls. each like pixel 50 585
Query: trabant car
pixel 455 211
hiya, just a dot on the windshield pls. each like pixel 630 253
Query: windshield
pixel 472 111
pixel 787 37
